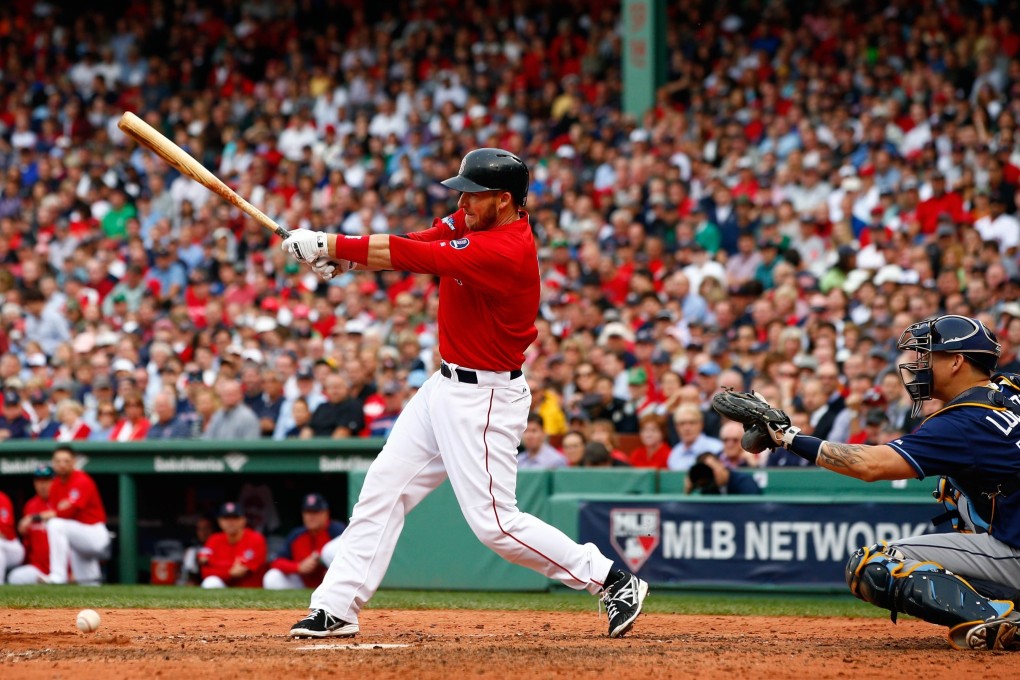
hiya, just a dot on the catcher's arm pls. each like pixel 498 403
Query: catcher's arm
pixel 767 427
pixel 866 462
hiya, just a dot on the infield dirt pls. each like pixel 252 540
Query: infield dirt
pixel 228 644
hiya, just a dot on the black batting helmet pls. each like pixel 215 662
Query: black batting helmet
pixel 950 333
pixel 492 170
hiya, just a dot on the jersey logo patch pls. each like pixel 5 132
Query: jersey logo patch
pixel 448 221
pixel 459 243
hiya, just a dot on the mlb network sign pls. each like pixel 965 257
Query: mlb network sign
pixel 746 543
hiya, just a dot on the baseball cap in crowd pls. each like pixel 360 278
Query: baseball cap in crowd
pixel 305 374
pixel 709 368
pixel 122 365
pixel 876 416
pixel 11 398
pixel 43 472
pixel 314 502
pixel 637 376
pixel 230 509
pixel 36 360
pixel 101 383
pixel 62 385
pixel 355 326
pixel 644 335
pixel 660 357
pixel 390 387
pixel 416 379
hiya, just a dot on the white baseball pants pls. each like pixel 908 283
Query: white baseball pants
pixel 84 544
pixel 26 575
pixel 275 579
pixel 11 555
pixel 469 433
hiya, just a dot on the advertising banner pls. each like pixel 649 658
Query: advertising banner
pixel 753 543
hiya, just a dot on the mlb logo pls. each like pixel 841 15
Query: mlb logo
pixel 634 533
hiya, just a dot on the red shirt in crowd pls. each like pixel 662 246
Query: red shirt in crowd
pixel 641 457
pixel 219 554
pixel 6 518
pixel 300 544
pixel 37 541
pixel 84 503
pixel 950 203
pixel 488 287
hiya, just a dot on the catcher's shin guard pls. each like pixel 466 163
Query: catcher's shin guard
pixel 878 575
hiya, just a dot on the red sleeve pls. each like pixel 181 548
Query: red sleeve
pixel 284 565
pixel 6 517
pixel 255 544
pixel 479 260
pixel 85 504
pixel 451 226
pixel 218 558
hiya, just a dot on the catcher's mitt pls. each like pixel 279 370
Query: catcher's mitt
pixel 752 411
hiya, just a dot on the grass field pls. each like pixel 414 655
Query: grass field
pixel 663 602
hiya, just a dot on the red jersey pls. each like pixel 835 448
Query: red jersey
pixel 6 517
pixel 641 457
pixel 300 544
pixel 488 288
pixel 218 556
pixel 36 541
pixel 80 491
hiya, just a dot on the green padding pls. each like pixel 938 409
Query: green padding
pixel 437 549
pixel 777 481
pixel 608 480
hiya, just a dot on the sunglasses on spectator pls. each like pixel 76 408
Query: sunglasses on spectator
pixel 731 439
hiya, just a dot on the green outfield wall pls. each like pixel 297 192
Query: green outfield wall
pixel 437 550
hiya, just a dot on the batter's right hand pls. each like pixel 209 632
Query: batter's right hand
pixel 327 268
pixel 306 246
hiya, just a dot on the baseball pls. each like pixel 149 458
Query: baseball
pixel 88 621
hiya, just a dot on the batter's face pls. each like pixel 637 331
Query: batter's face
pixel 482 209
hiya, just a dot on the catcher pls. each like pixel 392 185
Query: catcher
pixel 966 580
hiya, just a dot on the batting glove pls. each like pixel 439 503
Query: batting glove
pixel 306 246
pixel 327 269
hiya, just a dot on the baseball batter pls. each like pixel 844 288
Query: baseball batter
pixel 76 527
pixel 967 580
pixel 466 421
pixel 11 550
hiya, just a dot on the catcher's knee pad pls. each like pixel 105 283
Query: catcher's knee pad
pixel 882 576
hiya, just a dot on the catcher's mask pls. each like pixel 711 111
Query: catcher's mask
pixel 952 334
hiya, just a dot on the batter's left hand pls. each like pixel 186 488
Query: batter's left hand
pixel 306 246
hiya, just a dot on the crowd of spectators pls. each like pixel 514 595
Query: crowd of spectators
pixel 813 178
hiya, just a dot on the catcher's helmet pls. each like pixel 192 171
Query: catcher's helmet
pixel 492 170
pixel 953 334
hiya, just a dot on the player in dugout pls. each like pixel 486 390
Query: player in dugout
pixel 33 532
pixel 235 556
pixel 309 549
pixel 76 526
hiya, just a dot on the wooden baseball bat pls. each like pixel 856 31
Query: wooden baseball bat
pixel 143 133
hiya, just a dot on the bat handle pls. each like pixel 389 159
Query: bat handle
pixel 281 232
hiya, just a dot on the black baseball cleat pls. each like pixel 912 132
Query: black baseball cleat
pixel 623 597
pixel 320 623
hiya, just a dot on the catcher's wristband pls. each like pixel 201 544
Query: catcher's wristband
pixel 806 447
